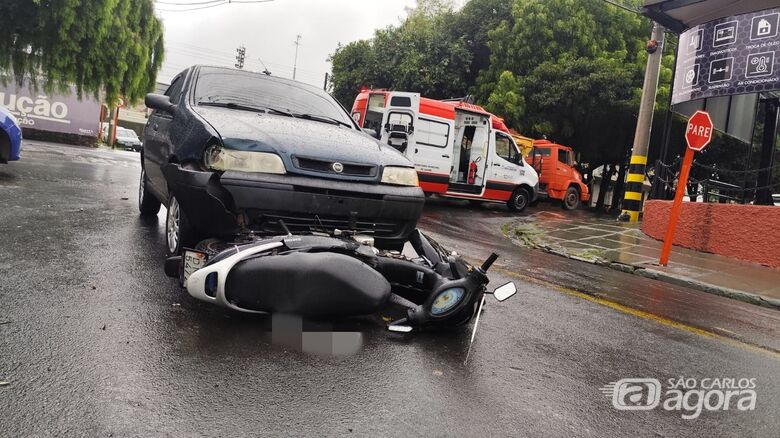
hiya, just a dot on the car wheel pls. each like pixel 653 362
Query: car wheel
pixel 572 198
pixel 179 233
pixel 147 203
pixel 519 200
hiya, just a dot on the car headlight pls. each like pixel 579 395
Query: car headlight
pixel 401 176
pixel 447 299
pixel 218 158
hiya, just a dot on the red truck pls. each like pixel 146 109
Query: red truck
pixel 557 175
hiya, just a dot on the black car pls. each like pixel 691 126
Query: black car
pixel 232 152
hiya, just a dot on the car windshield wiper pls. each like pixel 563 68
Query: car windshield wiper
pixel 243 107
pixel 324 119
pixel 233 105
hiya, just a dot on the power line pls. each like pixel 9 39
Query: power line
pixel 188 3
pixel 193 9
pixel 624 7
pixel 207 4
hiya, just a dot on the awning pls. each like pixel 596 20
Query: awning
pixel 679 15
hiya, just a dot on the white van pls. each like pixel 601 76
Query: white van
pixel 459 149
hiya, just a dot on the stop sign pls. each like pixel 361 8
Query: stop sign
pixel 699 131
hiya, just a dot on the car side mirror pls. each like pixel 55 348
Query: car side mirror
pixel 159 102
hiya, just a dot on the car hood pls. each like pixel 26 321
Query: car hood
pixel 287 136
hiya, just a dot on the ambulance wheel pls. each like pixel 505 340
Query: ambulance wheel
pixel 572 199
pixel 519 200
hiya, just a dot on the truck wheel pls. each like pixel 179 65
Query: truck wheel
pixel 572 199
pixel 147 203
pixel 519 200
pixel 179 233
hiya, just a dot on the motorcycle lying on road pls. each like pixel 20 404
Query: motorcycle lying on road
pixel 337 274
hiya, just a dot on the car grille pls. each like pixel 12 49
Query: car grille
pixel 326 166
pixel 298 222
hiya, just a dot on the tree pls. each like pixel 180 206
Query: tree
pixel 100 46
pixel 507 99
pixel 473 23
pixel 579 65
pixel 420 54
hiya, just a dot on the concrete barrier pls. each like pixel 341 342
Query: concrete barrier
pixel 746 232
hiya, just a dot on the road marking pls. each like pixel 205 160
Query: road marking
pixel 645 315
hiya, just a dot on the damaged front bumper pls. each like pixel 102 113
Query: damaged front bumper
pixel 234 202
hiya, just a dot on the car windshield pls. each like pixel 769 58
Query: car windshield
pixel 127 133
pixel 251 90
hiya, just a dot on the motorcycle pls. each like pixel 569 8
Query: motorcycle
pixel 338 274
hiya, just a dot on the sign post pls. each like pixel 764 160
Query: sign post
pixel 698 135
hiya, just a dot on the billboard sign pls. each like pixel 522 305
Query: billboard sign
pixel 733 55
pixel 54 112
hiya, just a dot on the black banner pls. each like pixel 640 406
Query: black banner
pixel 734 55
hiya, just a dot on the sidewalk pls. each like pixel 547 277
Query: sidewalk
pixel 602 240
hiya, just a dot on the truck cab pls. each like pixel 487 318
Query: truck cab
pixel 459 150
pixel 557 175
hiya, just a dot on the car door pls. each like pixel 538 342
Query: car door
pixel 400 120
pixel 506 165
pixel 157 141
pixel 432 149
pixel 563 168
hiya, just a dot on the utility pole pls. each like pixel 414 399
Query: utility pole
pixel 241 54
pixel 632 201
pixel 297 44
pixel 325 86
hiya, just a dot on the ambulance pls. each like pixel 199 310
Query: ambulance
pixel 459 149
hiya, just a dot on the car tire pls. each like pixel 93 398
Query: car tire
pixel 179 233
pixel 571 200
pixel 519 200
pixel 147 202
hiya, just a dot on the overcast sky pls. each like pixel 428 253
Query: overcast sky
pixel 268 30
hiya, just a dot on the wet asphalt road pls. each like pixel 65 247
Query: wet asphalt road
pixel 96 341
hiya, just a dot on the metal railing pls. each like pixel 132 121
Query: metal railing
pixel 714 184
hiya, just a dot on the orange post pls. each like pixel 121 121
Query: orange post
pixel 685 171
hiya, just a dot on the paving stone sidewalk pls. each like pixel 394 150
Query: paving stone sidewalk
pixel 602 240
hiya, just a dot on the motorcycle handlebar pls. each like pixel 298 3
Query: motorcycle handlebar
pixel 489 262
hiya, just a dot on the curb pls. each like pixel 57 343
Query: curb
pixel 655 274
pixel 709 288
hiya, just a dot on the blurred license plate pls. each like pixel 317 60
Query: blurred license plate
pixel 193 260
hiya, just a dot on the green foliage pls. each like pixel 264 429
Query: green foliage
pixel 571 70
pixel 416 55
pixel 507 99
pixel 102 46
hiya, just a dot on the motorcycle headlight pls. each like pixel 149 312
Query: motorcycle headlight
pixel 400 176
pixel 218 158
pixel 447 299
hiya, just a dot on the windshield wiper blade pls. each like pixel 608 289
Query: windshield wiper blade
pixel 233 105
pixel 244 107
pixel 324 119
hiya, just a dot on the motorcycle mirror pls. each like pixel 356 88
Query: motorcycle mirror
pixel 503 293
